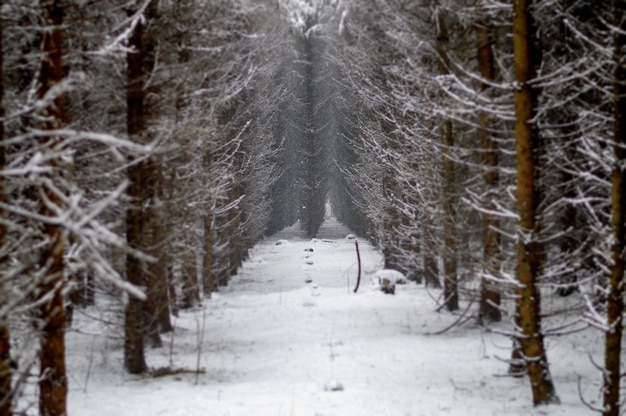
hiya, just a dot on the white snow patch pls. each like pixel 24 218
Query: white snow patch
pixel 393 276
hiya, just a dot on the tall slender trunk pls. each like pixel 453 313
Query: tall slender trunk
pixel 615 298
pixel 188 257
pixel 528 255
pixel 134 329
pixel 450 283
pixel 431 269
pixel 52 378
pixel 224 248
pixel 489 295
pixel 6 396
pixel 158 304
pixel 209 280
pixel 235 224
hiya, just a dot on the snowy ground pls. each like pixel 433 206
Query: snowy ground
pixel 273 344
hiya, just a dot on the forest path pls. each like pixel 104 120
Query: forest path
pixel 273 345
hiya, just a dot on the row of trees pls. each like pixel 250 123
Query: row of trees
pixel 484 157
pixel 148 144
pixel 138 161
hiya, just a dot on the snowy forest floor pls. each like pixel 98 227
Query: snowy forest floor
pixel 272 345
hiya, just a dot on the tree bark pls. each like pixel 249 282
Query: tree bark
pixel 52 377
pixel 615 298
pixel 188 257
pixel 450 282
pixel 235 213
pixel 158 304
pixel 431 269
pixel 6 391
pixel 224 248
pixel 208 273
pixel 134 329
pixel 528 253
pixel 489 295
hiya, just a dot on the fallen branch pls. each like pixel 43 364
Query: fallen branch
pixel 169 371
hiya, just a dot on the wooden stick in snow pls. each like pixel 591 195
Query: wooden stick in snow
pixel 358 257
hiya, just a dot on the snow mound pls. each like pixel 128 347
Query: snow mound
pixel 386 280
pixel 282 243
pixel 351 237
pixel 393 276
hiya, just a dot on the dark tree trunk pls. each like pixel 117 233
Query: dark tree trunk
pixel 223 255
pixel 134 330
pixel 450 283
pixel 6 396
pixel 6 391
pixel 53 380
pixel 615 297
pixel 157 307
pixel 431 269
pixel 489 295
pixel 208 272
pixel 528 250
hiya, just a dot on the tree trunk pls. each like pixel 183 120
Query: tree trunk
pixel 235 224
pixel 489 295
pixel 190 292
pixel 431 269
pixel 208 273
pixel 615 298
pixel 188 257
pixel 134 329
pixel 529 299
pixel 159 314
pixel 6 396
pixel 53 380
pixel 450 282
pixel 224 249
pixel 6 391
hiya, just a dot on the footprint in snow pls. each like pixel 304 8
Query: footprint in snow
pixel 314 289
pixel 334 343
pixel 333 385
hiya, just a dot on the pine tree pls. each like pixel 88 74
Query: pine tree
pixel 6 393
pixel 489 295
pixel 528 255
pixel 616 290
pixel 450 284
pixel 53 380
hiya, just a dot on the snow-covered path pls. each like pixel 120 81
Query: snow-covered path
pixel 273 343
